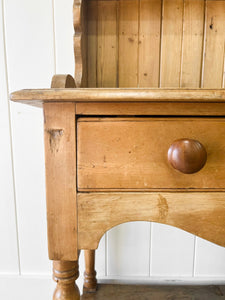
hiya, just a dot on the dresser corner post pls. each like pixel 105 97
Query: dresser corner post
pixel 90 281
pixel 61 197
pixel 61 191
pixel 65 274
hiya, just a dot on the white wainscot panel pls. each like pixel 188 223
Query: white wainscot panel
pixel 30 188
pixel 172 252
pixel 29 44
pixel 25 288
pixel 210 259
pixel 63 16
pixel 9 248
pixel 101 258
pixel 128 249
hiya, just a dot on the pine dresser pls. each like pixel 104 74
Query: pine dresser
pixel 138 135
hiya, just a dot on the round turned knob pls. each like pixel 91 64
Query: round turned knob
pixel 187 156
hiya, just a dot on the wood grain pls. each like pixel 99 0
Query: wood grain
pixel 60 157
pixel 192 48
pixel 119 95
pixel 77 41
pixel 149 43
pixel 187 156
pixel 65 273
pixel 90 281
pixel 80 42
pixel 128 43
pixel 131 153
pixel 92 42
pixel 137 292
pixel 201 214
pixel 107 58
pixel 148 109
pixel 62 81
pixel 172 29
pixel 60 167
pixel 214 44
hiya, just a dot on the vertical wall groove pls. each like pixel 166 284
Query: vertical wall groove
pixel 106 254
pixel 117 41
pixel 182 44
pixel 194 257
pixel 203 46
pixel 97 14
pixel 97 19
pixel 223 76
pixel 150 248
pixel 160 46
pixel 138 41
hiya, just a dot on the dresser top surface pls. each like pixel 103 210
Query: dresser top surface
pixel 38 96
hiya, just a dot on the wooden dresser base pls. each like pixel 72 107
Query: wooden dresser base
pixel 142 292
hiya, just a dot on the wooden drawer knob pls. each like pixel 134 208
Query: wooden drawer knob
pixel 187 156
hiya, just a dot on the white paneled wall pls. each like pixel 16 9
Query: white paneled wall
pixel 128 250
pixel 36 41
pixel 29 48
pixel 9 260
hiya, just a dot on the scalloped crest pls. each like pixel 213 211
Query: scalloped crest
pixel 77 16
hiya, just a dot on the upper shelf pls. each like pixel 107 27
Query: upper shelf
pixel 146 43
pixel 37 97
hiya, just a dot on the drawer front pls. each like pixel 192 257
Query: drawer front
pixel 132 153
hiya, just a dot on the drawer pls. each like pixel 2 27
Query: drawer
pixel 132 153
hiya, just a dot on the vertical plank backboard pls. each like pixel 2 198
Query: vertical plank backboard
pixel 92 13
pixel 60 157
pixel 107 59
pixel 158 43
pixel 84 43
pixel 128 43
pixel 214 44
pixel 193 29
pixel 149 42
pixel 9 260
pixel 171 49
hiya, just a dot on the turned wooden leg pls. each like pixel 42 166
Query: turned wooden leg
pixel 65 273
pixel 90 281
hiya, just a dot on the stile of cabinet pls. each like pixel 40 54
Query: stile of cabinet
pixel 138 136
